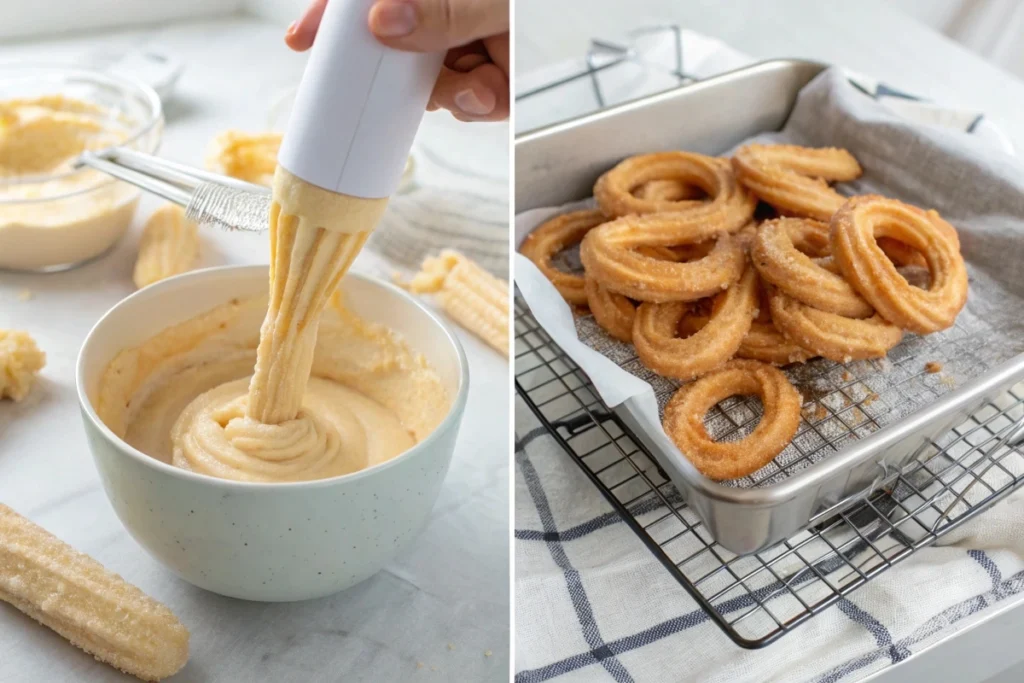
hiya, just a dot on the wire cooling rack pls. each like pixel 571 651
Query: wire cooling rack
pixel 758 598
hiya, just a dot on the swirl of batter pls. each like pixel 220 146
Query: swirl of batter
pixel 337 431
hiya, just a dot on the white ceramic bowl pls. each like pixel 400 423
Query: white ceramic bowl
pixel 270 542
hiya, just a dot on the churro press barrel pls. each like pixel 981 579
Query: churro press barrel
pixel 354 120
pixel 357 108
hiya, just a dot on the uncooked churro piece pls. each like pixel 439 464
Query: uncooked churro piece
pixel 169 246
pixel 95 609
pixel 474 298
pixel 20 361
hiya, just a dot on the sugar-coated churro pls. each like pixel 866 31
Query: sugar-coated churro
pixel 684 418
pixel 94 608
pixel 855 228
pixel 833 336
pixel 613 312
pixel 614 191
pixel 610 255
pixel 551 237
pixel 793 179
pixel 776 252
pixel 656 329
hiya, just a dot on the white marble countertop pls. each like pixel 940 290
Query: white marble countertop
pixel 867 37
pixel 439 612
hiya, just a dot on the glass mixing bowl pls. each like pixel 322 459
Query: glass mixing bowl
pixel 64 217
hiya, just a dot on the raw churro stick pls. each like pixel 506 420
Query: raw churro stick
pixel 470 295
pixel 94 608
pixel 20 361
pixel 169 246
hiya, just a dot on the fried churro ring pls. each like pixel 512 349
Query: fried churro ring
pixel 684 419
pixel 614 190
pixel 656 327
pixel 833 336
pixel 855 228
pixel 553 236
pixel 610 255
pixel 793 179
pixel 763 342
pixel 668 191
pixel 777 255
pixel 900 253
pixel 613 312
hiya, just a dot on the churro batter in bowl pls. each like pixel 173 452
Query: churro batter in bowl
pixel 316 393
pixel 53 216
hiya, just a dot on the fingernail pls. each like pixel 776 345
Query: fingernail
pixel 291 28
pixel 468 102
pixel 393 19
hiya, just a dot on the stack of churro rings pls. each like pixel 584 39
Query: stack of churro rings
pixel 676 264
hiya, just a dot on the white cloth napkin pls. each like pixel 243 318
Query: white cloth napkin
pixel 593 604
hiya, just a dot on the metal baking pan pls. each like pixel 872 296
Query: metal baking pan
pixel 560 163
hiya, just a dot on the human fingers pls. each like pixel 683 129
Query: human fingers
pixel 437 25
pixel 301 33
pixel 480 94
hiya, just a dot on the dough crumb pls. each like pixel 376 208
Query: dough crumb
pixel 25 295
pixel 419 665
pixel 932 367
pixel 20 362
pixel 450 647
pixel 487 653
pixel 247 156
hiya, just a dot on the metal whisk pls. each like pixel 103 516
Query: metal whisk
pixel 208 198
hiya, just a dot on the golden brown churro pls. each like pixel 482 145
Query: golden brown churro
pixel 609 254
pixel 613 312
pixel 614 190
pixel 833 336
pixel 656 328
pixel 776 253
pixel 793 179
pixel 668 191
pixel 684 419
pixel 855 228
pixel 551 237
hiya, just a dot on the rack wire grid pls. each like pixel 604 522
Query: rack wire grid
pixel 758 598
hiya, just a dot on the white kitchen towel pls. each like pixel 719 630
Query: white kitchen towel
pixel 593 604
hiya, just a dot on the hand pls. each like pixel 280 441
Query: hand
pixel 474 82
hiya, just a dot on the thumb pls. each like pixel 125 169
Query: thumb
pixel 437 25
